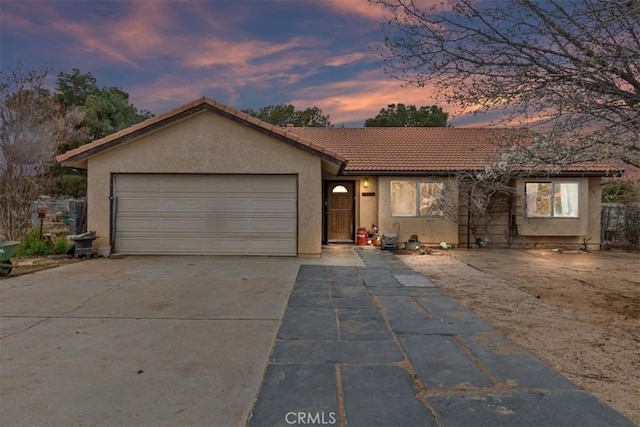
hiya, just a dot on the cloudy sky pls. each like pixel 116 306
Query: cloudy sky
pixel 246 54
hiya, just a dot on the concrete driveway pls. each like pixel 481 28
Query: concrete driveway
pixel 140 340
pixel 364 340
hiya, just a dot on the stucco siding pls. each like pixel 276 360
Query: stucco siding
pixel 209 144
pixel 368 203
pixel 556 226
pixel 430 230
pixel 543 232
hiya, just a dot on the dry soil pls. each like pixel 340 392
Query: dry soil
pixel 577 311
pixel 31 265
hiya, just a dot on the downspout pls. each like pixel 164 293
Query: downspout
pixel 113 204
pixel 114 213
pixel 469 222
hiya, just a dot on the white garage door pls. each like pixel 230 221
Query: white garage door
pixel 205 214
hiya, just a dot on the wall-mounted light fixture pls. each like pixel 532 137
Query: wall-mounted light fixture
pixel 365 183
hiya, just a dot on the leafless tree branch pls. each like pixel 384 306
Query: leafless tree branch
pixel 32 126
pixel 570 66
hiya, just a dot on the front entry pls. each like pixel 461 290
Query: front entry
pixel 340 211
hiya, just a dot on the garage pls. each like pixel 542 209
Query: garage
pixel 205 178
pixel 199 214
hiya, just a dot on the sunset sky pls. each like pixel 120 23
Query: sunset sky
pixel 246 54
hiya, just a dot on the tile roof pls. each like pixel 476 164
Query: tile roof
pixel 408 149
pixel 383 150
pixel 71 157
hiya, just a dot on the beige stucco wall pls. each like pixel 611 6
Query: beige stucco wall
pixel 556 226
pixel 532 232
pixel 368 203
pixel 430 230
pixel 211 144
pixel 547 232
pixel 562 231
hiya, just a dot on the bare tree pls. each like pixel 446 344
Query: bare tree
pixel 481 196
pixel 570 66
pixel 32 126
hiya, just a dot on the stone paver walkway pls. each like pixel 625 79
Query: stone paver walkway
pixel 382 346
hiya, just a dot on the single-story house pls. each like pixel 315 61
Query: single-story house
pixel 205 178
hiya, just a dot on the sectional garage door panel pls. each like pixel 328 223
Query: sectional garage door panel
pixel 206 214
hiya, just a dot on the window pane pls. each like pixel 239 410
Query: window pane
pixel 339 189
pixel 430 195
pixel 403 198
pixel 538 199
pixel 565 200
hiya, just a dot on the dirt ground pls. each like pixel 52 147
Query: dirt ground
pixel 579 312
pixel 31 265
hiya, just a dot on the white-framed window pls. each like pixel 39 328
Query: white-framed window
pixel 552 199
pixel 415 198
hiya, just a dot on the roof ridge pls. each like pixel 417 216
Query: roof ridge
pixel 95 145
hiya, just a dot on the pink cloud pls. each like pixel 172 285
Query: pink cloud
pixel 144 31
pixel 375 11
pixel 347 101
pixel 141 32
pixel 154 30
pixel 91 43
pixel 348 58
pixel 17 22
pixel 221 52
pixel 121 39
pixel 181 89
pixel 363 97
pixel 361 8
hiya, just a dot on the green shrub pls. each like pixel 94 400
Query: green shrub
pixel 620 192
pixel 32 246
pixel 72 185
pixel 61 245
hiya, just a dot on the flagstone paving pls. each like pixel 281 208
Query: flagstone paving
pixel 381 345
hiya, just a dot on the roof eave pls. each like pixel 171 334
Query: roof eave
pixel 592 174
pixel 69 158
pixel 78 164
pixel 399 172
pixel 78 157
pixel 443 172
